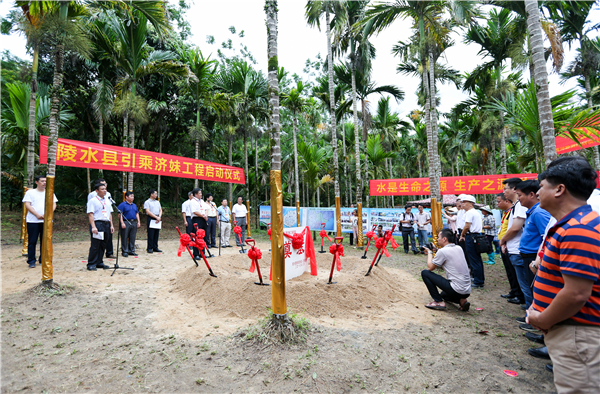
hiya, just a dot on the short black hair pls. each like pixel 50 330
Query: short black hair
pixel 224 199
pixel 502 196
pixel 447 233
pixel 408 206
pixel 37 178
pixel 128 193
pixel 528 186
pixel 575 172
pixel 98 185
pixel 190 194
pixel 238 197
pixel 196 190
pixel 512 182
pixel 208 195
pixel 99 180
pixel 420 205
pixel 151 192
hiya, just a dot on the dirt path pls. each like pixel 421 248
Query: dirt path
pixel 167 326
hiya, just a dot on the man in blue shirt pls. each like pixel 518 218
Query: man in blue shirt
pixel 130 222
pixel 533 231
pixel 224 223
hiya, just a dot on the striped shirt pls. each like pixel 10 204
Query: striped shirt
pixel 572 247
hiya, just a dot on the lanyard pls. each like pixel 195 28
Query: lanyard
pixel 102 203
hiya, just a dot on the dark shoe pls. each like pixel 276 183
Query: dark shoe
pixel 197 257
pixel 520 320
pixel 32 265
pixel 509 295
pixel 515 300
pixel 208 246
pixel 524 307
pixel 415 252
pixel 92 269
pixel 550 368
pixel 125 255
pixel 474 286
pixel 213 246
pixel 537 338
pixel 528 327
pixel 541 352
pixel 465 307
pixel 158 250
pixel 133 254
pixel 149 251
pixel 110 256
pixel 103 266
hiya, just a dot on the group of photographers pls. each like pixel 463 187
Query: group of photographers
pixel 550 247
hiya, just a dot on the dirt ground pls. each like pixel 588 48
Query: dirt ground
pixel 168 327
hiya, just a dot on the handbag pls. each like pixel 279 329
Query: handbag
pixel 482 245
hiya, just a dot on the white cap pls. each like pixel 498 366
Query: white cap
pixel 460 196
pixel 468 198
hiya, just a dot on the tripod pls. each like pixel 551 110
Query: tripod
pixel 116 267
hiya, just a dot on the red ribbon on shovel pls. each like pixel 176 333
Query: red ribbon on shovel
pixel 337 249
pixel 381 244
pixel 255 254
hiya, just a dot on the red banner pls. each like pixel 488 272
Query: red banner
pixel 82 154
pixel 473 184
pixel 565 144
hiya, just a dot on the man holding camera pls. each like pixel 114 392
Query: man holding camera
pixel 408 232
pixel 456 288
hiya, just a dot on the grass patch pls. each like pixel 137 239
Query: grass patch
pixel 51 290
pixel 272 329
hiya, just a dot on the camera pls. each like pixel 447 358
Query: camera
pixel 429 246
pixel 412 222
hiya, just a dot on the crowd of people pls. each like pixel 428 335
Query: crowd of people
pixel 549 240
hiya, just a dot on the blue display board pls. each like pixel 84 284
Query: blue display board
pixel 313 217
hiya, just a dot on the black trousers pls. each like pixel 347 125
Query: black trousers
pixel 511 274
pixel 242 223
pixel 35 231
pixel 188 226
pixel 406 235
pixel 128 236
pixel 152 235
pixel 200 222
pixel 211 232
pixel 463 246
pixel 434 281
pixel 98 245
pixel 109 244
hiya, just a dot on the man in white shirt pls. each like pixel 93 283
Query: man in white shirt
pixel 110 253
pixel 99 212
pixel 186 212
pixel 511 240
pixel 35 203
pixel 423 219
pixel 211 222
pixel 460 223
pixel 224 223
pixel 473 225
pixel 408 231
pixel 199 217
pixel 456 288
pixel 239 212
pixel 154 211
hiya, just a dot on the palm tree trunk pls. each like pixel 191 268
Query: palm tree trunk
pixel 196 152
pixel 318 197
pixel 344 160
pixel 131 145
pixel 246 169
pixel 101 137
pixel 365 182
pixel 359 242
pixel 590 104
pixel 230 163
pixel 541 80
pixel 278 265
pixel 436 164
pixel 256 181
pixel 160 138
pixel 430 153
pixel 493 155
pixel 32 112
pixel 296 177
pixel 336 170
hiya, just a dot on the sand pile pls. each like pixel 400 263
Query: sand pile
pixel 387 298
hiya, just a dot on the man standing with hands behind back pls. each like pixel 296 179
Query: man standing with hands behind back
pixel 225 223
pixel 35 203
pixel 239 213
pixel 130 222
pixel 154 212
pixel 99 212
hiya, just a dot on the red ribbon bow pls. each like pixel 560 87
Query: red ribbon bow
pixel 200 244
pixel 184 241
pixel 323 234
pixel 389 237
pixel 337 250
pixel 237 230
pixel 297 239
pixel 254 254
pixel 370 234
pixel 380 244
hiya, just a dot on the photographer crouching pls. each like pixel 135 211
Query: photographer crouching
pixel 457 287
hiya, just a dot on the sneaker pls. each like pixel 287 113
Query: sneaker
pixel 32 265
pixel 537 338
pixel 528 327
pixel 520 320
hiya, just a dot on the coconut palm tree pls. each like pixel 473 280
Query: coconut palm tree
pixel 295 103
pixel 314 10
pixel 540 76
pixel 103 105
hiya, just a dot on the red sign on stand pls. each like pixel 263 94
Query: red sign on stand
pixel 82 154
